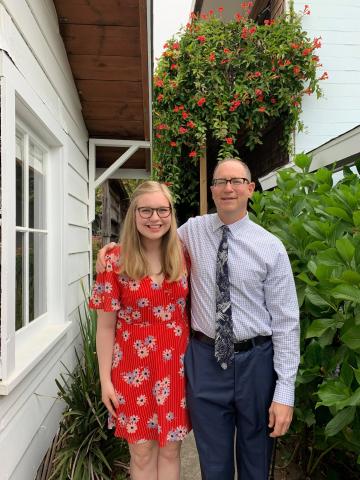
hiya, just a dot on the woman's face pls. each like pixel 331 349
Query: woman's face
pixel 153 224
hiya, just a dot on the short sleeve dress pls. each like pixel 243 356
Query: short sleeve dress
pixel 151 337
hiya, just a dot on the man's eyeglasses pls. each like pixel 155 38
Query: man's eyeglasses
pixel 147 212
pixel 235 182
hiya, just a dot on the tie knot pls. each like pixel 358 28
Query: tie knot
pixel 225 230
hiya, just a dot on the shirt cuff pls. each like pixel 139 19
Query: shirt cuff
pixel 284 394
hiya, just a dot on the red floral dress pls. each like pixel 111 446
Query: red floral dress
pixel 152 333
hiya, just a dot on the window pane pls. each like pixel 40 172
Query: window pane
pixel 20 179
pixel 37 199
pixel 37 275
pixel 20 280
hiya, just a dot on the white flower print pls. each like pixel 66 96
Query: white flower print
pixel 141 400
pixel 98 288
pixel 165 316
pixel 136 378
pixel 153 421
pixel 181 432
pixel 115 304
pixel 111 422
pixel 154 285
pixel 182 356
pixel 167 354
pixel 134 418
pixel 123 279
pixel 120 397
pixel 178 331
pixel 183 402
pixel 143 352
pixel 138 344
pixel 157 311
pixel 150 341
pixel 171 325
pixel 122 419
pixel 143 302
pixel 134 285
pixel 184 282
pixel 161 390
pixel 96 301
pixel 129 309
pixel 126 335
pixel 131 427
pixel 170 416
pixel 117 355
pixel 136 315
pixel 108 287
pixel 170 307
pixel 182 372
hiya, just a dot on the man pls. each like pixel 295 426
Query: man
pixel 242 360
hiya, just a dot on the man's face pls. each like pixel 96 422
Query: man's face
pixel 231 200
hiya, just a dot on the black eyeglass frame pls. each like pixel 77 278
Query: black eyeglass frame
pixel 225 181
pixel 168 210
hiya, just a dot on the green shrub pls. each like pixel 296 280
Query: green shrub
pixel 319 225
pixel 87 450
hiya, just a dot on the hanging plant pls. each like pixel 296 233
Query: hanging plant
pixel 228 81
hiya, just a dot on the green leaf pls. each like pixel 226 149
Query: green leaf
pixel 303 161
pixel 340 421
pixel 346 292
pixel 319 326
pixel 333 392
pixel 315 298
pixel 350 276
pixel 305 278
pixel 351 337
pixel 345 248
pixel 339 213
pixel 356 218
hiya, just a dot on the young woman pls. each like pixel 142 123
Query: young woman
pixel 142 334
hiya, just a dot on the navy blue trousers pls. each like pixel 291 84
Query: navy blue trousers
pixel 231 406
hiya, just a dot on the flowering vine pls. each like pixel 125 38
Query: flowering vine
pixel 225 81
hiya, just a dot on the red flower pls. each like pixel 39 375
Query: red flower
pixel 182 130
pixel 295 46
pixel 257 74
pixel 168 184
pixel 252 30
pixel 204 16
pixel 324 76
pixel 307 10
pixel 181 107
pixel 225 60
pixel 158 135
pixel 220 9
pixel 192 154
pixel 160 97
pixel 238 17
pixel 273 100
pixel 258 92
pixel 296 70
pixel 296 104
pixel 229 140
pixel 315 58
pixel 173 144
pixel 201 101
pixel 244 33
pixel 262 109
pixel 159 83
pixel 316 42
pixel 190 124
pixel 211 12
pixel 166 45
pixel 176 109
pixel 269 22
pixel 162 126
pixel 201 38
pixel 173 66
pixel 226 50
pixel 176 45
pixel 184 115
pixel 212 57
pixel 306 51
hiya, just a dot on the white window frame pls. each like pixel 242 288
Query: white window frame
pixel 22 350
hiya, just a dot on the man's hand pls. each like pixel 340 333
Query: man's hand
pixel 280 417
pixel 108 397
pixel 100 259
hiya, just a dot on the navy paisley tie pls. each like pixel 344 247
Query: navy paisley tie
pixel 224 338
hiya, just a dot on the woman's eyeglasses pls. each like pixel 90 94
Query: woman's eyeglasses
pixel 147 212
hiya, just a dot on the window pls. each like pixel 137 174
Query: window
pixel 31 230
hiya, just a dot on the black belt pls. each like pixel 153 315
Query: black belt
pixel 242 346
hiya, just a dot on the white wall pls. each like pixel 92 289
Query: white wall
pixel 338 23
pixel 36 60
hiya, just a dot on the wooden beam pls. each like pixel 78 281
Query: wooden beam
pixel 144 66
pixel 203 183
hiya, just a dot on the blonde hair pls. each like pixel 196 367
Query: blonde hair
pixel 243 164
pixel 133 259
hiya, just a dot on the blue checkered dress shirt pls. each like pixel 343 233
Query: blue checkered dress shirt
pixel 262 290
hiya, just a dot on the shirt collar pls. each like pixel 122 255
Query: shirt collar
pixel 233 227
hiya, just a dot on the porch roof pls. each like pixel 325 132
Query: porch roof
pixel 110 54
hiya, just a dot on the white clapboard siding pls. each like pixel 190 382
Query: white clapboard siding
pixel 76 212
pixel 78 238
pixel 338 111
pixel 75 295
pixel 77 160
pixel 78 266
pixel 77 185
pixel 64 107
